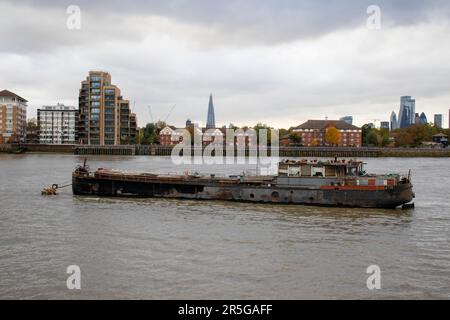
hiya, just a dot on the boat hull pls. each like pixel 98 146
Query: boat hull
pixel 368 197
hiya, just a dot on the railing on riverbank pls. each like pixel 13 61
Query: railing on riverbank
pixel 105 150
pixel 341 152
pixel 158 150
pixel 5 148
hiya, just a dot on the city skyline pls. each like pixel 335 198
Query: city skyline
pixel 300 61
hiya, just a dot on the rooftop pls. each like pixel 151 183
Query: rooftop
pixel 440 135
pixel 9 94
pixel 322 124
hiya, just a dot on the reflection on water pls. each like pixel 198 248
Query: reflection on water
pixel 171 248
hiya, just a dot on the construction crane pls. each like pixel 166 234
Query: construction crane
pixel 150 112
pixel 168 114
pixel 149 108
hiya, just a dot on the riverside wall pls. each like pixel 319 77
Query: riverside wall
pixel 157 150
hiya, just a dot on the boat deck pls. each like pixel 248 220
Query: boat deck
pixel 177 178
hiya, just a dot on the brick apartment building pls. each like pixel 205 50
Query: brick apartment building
pixel 13 117
pixel 313 132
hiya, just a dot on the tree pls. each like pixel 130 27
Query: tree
pixel 259 128
pixel 384 137
pixel 295 137
pixel 332 136
pixel 403 138
pixel 32 132
pixel 148 134
pixel 373 138
pixel 160 125
pixel 282 132
pixel 366 130
pixel 414 135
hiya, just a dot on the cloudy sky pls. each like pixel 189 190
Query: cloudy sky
pixel 279 62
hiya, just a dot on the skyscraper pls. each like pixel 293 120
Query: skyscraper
pixel 394 124
pixel 210 120
pixel 384 125
pixel 423 118
pixel 438 120
pixel 407 113
pixel 104 116
pixel 348 119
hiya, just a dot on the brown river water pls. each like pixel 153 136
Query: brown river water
pixel 185 249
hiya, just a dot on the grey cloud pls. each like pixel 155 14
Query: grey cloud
pixel 239 22
pixel 245 52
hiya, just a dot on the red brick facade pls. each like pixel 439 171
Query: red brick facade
pixel 313 133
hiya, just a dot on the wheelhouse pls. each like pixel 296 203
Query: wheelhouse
pixel 315 168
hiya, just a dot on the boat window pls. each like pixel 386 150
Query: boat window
pixel 318 171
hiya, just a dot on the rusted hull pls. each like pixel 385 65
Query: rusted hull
pixel 368 198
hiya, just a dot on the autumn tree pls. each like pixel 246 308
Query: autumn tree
pixel 414 135
pixel 332 136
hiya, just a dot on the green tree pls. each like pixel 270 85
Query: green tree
pixel 366 130
pixel 372 138
pixel 295 137
pixel 148 134
pixel 282 132
pixel 385 135
pixel 259 128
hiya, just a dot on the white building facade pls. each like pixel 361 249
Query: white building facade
pixel 57 124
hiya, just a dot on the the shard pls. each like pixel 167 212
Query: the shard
pixel 210 120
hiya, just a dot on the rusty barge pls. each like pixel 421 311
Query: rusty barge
pixel 308 182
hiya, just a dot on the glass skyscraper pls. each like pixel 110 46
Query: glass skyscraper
pixel 407 113
pixel 394 124
pixel 210 119
pixel 438 120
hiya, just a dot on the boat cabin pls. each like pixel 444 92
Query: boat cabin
pixel 315 168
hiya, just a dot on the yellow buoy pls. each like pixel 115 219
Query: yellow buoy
pixel 49 191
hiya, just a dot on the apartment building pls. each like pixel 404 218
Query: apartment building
pixel 13 117
pixel 313 133
pixel 104 116
pixel 57 124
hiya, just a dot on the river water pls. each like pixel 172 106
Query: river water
pixel 175 249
